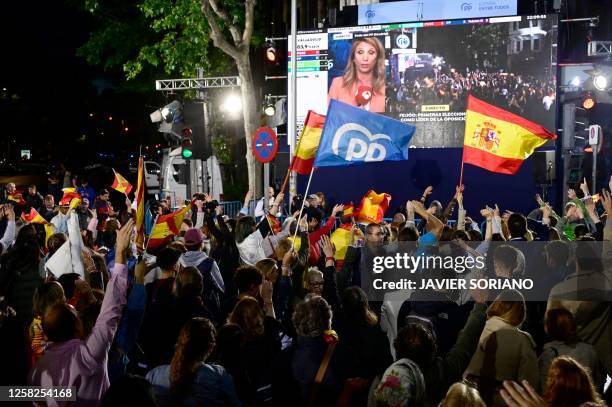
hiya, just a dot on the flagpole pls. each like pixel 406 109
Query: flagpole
pixel 149 238
pixel 461 176
pixel 302 208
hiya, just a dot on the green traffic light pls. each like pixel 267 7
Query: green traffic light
pixel 187 153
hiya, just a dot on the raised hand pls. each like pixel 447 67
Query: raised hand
pixel 337 208
pixel 516 395
pixel 487 213
pixel 124 241
pixel 327 246
pixel 584 187
pixel 539 199
pixel 409 211
pixel 571 194
pixel 219 210
pixel 427 192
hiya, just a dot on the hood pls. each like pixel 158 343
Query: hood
pixel 192 258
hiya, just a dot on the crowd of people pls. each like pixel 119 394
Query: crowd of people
pixel 521 94
pixel 257 312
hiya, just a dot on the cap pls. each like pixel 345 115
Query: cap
pixel 193 236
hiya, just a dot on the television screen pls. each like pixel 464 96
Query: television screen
pixel 422 72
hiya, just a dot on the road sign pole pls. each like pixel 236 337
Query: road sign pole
pixel 266 184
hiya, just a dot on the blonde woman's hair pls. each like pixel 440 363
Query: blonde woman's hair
pixel 306 277
pixel 509 306
pixel 350 73
pixel 460 394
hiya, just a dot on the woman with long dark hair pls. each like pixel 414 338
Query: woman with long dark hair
pixel 188 380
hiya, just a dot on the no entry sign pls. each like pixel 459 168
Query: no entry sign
pixel 265 145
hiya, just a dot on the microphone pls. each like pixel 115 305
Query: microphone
pixel 364 95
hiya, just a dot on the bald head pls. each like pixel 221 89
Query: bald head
pixel 61 323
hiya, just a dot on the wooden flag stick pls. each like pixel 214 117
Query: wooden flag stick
pixel 302 209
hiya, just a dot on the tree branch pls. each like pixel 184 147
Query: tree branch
pixel 215 32
pixel 223 15
pixel 249 23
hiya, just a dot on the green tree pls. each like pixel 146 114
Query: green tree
pixel 178 36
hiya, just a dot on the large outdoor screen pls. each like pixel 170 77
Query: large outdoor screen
pixel 428 69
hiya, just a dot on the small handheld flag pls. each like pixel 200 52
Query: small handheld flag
pixel 33 217
pixel 120 184
pixel 308 144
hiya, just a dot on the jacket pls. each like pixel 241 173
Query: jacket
pixel 212 386
pixel 83 362
pixel 582 352
pixel 504 352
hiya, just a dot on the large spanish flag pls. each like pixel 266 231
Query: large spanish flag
pixel 70 198
pixel 121 184
pixel 498 140
pixel 309 143
pixel 167 226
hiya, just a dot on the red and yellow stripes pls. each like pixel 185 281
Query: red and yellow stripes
pixel 309 143
pixel 121 184
pixel 498 140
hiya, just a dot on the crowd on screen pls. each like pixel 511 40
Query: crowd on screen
pixel 235 311
pixel 520 94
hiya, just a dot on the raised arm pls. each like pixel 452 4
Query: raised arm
pixel 101 338
pixel 434 224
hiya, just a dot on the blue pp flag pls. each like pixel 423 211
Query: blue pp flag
pixel 355 136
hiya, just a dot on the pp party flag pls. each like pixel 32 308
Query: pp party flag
pixel 140 207
pixel 372 207
pixel 498 140
pixel 309 142
pixel 121 184
pixel 33 217
pixel 166 227
pixel 355 136
pixel 17 198
pixel 70 198
pixel 341 238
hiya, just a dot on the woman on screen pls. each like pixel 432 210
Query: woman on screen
pixel 363 82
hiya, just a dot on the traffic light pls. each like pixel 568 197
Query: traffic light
pixel 271 53
pixel 186 143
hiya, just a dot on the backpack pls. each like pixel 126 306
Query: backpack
pixel 211 295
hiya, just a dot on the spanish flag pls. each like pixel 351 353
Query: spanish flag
pixel 17 198
pixel 71 198
pixel 274 223
pixel 372 207
pixel 140 207
pixel 33 217
pixel 348 212
pixel 341 239
pixel 121 184
pixel 309 143
pixel 167 226
pixel 497 140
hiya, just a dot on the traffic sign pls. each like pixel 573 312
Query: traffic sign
pixel 265 145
